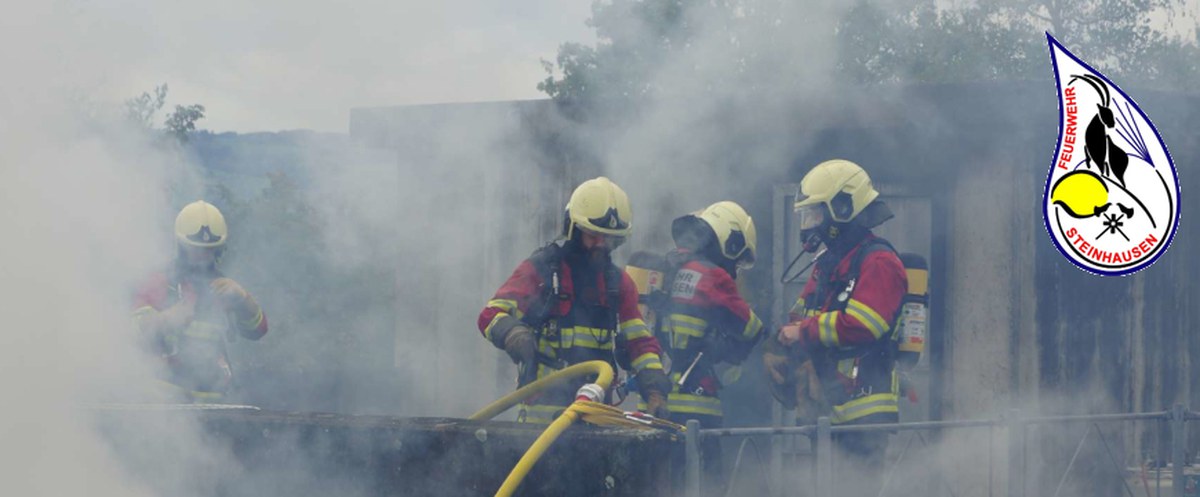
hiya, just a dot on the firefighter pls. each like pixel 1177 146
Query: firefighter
pixel 568 303
pixel 706 322
pixel 841 327
pixel 187 314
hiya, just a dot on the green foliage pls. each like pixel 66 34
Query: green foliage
pixel 142 109
pixel 1005 40
pixel 705 45
pixel 183 121
pixel 702 45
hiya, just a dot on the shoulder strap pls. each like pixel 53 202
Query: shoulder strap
pixel 829 280
pixel 875 244
pixel 547 261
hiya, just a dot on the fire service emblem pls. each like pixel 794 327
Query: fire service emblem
pixel 1111 202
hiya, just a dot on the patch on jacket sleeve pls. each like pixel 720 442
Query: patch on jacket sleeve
pixel 685 284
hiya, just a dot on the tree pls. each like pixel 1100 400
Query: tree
pixel 183 121
pixel 653 48
pixel 757 46
pixel 1004 40
pixel 142 109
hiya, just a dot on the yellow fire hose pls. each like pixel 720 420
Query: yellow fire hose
pixel 601 369
pixel 592 412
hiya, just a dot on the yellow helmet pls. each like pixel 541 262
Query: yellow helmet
pixel 600 206
pixel 841 186
pixel 736 236
pixel 200 224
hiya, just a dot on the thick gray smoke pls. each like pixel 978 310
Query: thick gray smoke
pixel 371 257
pixel 81 209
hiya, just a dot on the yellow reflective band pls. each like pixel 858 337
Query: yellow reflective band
pixel 753 326
pixel 869 318
pixel 140 313
pixel 649 360
pixel 687 325
pixel 487 332
pixel 865 406
pixel 198 395
pixel 506 305
pixel 679 341
pixel 798 307
pixel 253 323
pixel 588 338
pixel 166 391
pixel 694 404
pixel 634 329
pixel 204 331
pixel 827 329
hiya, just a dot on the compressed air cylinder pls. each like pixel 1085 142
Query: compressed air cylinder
pixel 914 312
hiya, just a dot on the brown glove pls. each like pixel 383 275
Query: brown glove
pixel 656 405
pixel 519 343
pixel 775 359
pixel 653 386
pixel 809 401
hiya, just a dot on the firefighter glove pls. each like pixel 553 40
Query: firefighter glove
pixel 801 335
pixel 776 363
pixel 656 405
pixel 175 318
pixel 520 345
pixel 653 384
pixel 236 299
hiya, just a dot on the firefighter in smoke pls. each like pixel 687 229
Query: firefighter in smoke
pixel 188 313
pixel 841 326
pixel 567 303
pixel 703 320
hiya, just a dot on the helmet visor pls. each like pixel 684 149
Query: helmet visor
pixel 593 239
pixel 811 216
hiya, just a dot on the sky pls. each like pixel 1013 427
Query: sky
pixel 272 65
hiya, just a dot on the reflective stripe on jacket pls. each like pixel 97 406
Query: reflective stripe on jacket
pixel 854 315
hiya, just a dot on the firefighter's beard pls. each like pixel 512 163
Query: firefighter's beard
pixel 598 256
pixel 191 265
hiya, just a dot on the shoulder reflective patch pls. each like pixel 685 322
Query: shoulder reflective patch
pixel 685 284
